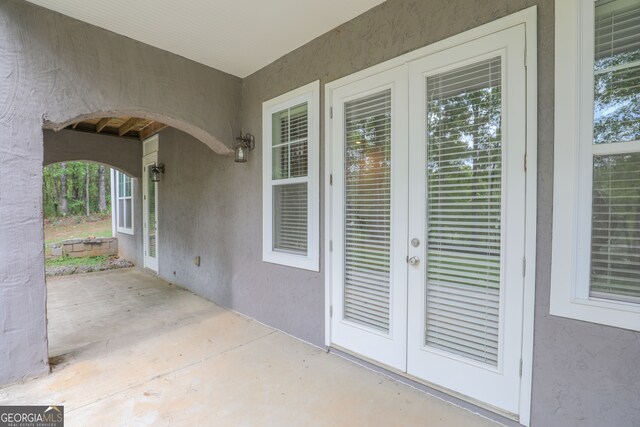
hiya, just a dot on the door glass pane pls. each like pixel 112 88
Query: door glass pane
pixel 464 169
pixel 151 214
pixel 368 210
pixel 615 235
pixel 617 71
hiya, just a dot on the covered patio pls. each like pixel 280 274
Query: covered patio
pixel 128 348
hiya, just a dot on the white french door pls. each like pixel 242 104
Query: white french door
pixel 428 217
pixel 467 209
pixel 150 212
pixel 369 221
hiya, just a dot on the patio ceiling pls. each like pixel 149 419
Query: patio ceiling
pixel 235 36
pixel 126 127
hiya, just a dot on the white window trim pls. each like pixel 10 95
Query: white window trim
pixel 116 204
pixel 310 94
pixel 573 151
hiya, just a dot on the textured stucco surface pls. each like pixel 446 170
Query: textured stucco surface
pixel 52 70
pixel 194 215
pixel 583 373
pixel 130 245
pixel 68 145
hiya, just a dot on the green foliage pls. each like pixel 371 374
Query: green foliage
pixel 76 173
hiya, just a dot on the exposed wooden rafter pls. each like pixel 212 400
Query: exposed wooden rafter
pixel 122 126
pixel 151 129
pixel 127 126
pixel 102 124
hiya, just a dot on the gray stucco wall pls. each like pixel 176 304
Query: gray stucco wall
pixel 67 145
pixel 54 69
pixel 193 217
pixel 130 245
pixel 583 373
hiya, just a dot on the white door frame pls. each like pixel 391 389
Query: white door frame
pixel 497 385
pixel 149 262
pixel 528 17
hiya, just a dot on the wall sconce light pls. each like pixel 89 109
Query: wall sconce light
pixel 156 170
pixel 245 144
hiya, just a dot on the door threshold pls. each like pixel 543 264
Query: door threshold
pixel 450 396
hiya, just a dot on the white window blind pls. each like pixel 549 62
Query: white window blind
pixel 615 238
pixel 290 141
pixel 464 200
pixel 290 217
pixel 368 210
pixel 617 71
pixel 290 159
pixel 615 214
pixel 124 203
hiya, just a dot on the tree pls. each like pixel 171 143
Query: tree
pixel 87 195
pixel 102 199
pixel 64 209
pixel 75 188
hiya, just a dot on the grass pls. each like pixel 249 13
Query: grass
pixel 67 261
pixel 77 227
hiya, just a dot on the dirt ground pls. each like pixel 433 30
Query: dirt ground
pixel 76 227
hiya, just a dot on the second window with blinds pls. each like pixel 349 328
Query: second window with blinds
pixel 290 125
pixel 124 203
pixel 595 273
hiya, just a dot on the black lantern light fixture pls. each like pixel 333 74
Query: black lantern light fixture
pixel 156 170
pixel 245 144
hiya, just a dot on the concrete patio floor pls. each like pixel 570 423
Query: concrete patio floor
pixel 130 349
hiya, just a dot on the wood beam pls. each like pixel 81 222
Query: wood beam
pixel 151 129
pixel 102 124
pixel 75 125
pixel 128 125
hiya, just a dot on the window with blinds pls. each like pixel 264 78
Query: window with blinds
pixel 615 219
pixel 289 164
pixel 464 175
pixel 617 71
pixel 124 203
pixel 368 210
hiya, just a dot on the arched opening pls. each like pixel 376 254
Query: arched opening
pixel 130 120
pixel 80 216
pixel 91 314
pixel 125 144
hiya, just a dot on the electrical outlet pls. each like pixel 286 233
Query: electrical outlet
pixel 197 261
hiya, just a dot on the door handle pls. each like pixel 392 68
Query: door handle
pixel 414 260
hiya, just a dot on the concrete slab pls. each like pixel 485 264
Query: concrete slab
pixel 130 349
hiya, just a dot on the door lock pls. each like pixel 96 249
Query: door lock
pixel 414 260
pixel 415 242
